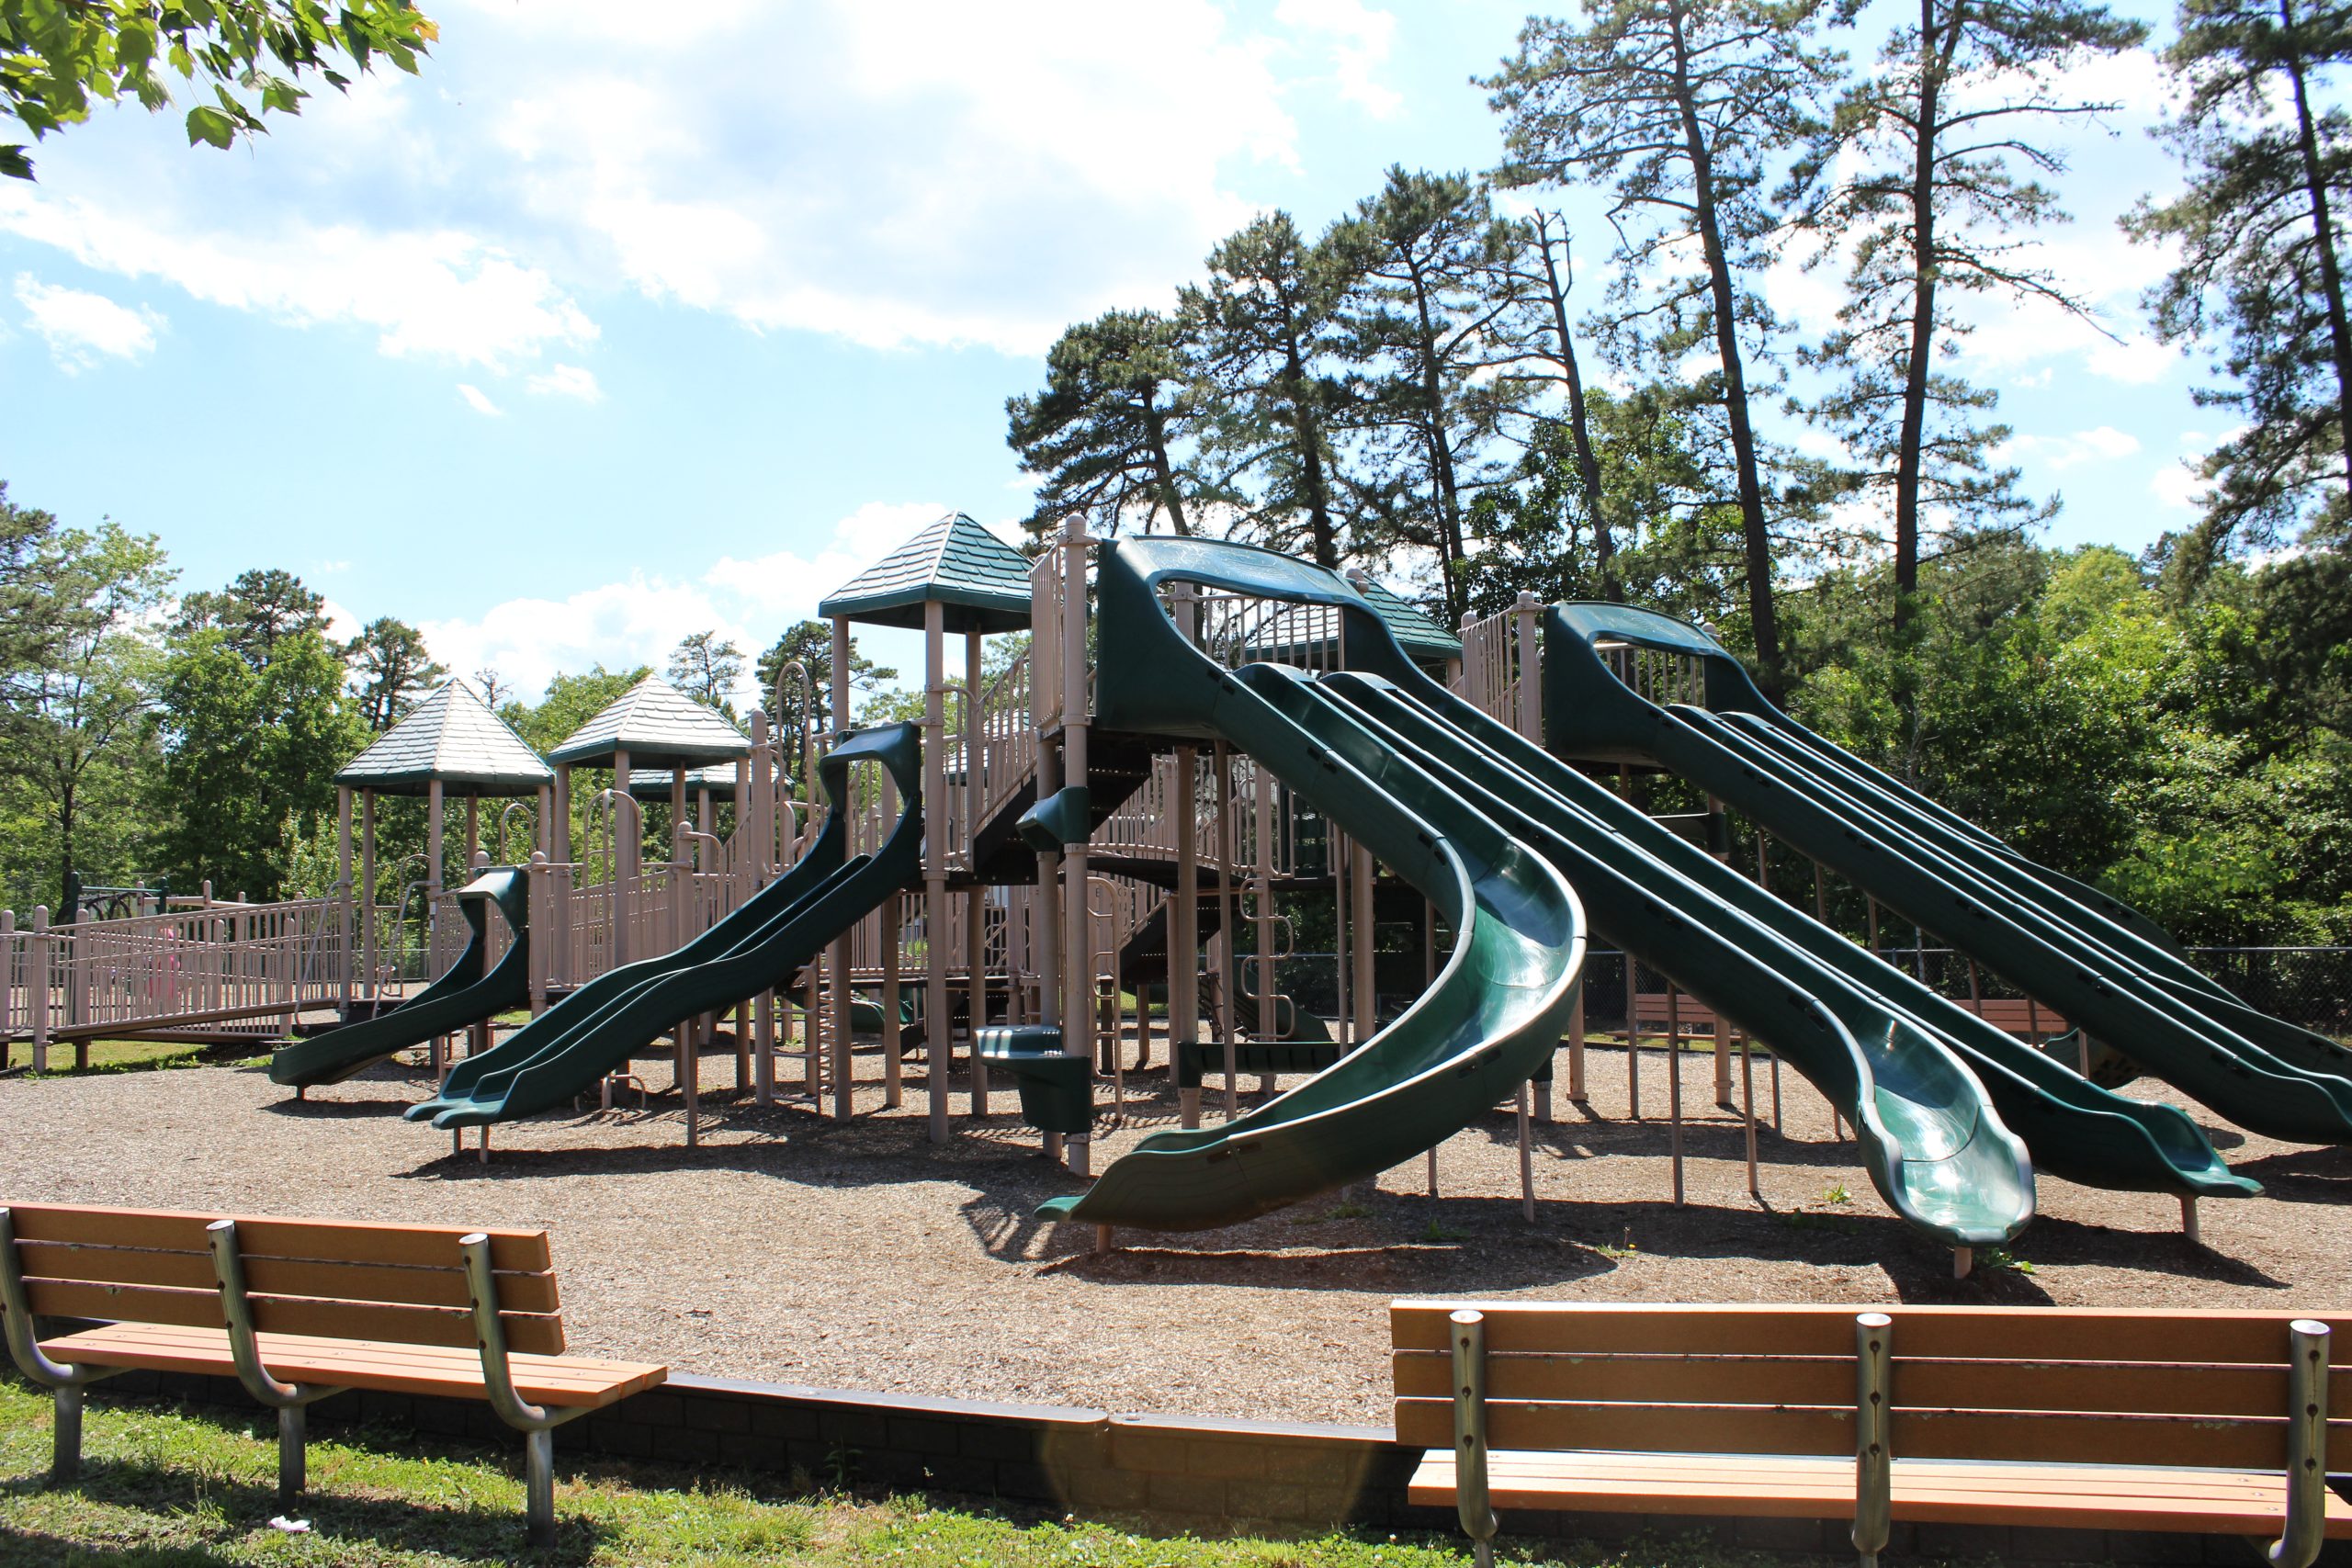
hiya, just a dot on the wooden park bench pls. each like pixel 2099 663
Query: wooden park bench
pixel 2206 1422
pixel 297 1310
pixel 2011 1015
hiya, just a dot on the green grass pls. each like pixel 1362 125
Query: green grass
pixel 170 1488
pixel 128 1057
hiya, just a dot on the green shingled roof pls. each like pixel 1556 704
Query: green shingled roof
pixel 1421 636
pixel 653 783
pixel 982 580
pixel 451 736
pixel 659 726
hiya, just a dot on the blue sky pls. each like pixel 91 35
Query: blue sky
pixel 601 333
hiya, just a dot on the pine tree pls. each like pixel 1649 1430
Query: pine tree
pixel 1922 177
pixel 1418 326
pixel 1680 106
pixel 1267 323
pixel 1106 433
pixel 2261 265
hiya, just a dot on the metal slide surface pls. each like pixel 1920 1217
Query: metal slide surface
pixel 2071 1127
pixel 2088 956
pixel 462 997
pixel 1493 1016
pixel 567 1049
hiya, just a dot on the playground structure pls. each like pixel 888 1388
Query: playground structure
pixel 1183 759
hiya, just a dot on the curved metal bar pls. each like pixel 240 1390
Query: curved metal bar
pixel 16 1317
pixel 2299 1543
pixel 490 1337
pixel 288 1399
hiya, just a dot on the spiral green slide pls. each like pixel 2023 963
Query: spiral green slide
pixel 460 998
pixel 568 1048
pixel 1494 1014
pixel 2102 965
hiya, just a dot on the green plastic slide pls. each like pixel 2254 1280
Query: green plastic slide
pixel 2071 1127
pixel 1495 1013
pixel 762 945
pixel 2087 957
pixel 462 997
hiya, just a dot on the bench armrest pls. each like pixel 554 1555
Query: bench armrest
pixel 490 1334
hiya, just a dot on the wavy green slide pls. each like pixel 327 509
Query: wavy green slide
pixel 2072 1128
pixel 462 997
pixel 1492 1017
pixel 568 1048
pixel 2090 957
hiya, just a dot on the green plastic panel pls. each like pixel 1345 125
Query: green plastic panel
pixel 462 997
pixel 568 1048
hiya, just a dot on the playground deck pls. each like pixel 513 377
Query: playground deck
pixel 790 1250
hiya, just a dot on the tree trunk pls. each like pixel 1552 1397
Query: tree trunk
pixel 1907 458
pixel 1157 423
pixel 2323 232
pixel 1307 431
pixel 1604 546
pixel 1449 500
pixel 1763 617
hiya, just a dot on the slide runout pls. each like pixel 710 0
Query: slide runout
pixel 1494 1011
pixel 1926 1127
pixel 2179 1038
pixel 2072 1127
pixel 759 946
pixel 458 999
pixel 2051 895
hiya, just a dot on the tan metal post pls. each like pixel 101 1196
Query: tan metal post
pixel 1360 932
pixel 36 983
pixel 343 898
pixel 1873 1460
pixel 1078 962
pixel 837 962
pixel 976 986
pixel 623 870
pixel 1184 932
pixel 1530 717
pixel 937 1032
pixel 1227 929
pixel 367 890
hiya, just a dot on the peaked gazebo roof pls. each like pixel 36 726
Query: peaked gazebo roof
pixel 982 580
pixel 453 737
pixel 1419 635
pixel 659 726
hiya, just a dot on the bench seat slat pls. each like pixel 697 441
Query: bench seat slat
pixel 537 1334
pixel 409 1284
pixel 335 1241
pixel 567 1381
pixel 2064 1496
pixel 1998 1334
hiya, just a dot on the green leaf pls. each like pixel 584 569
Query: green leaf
pixel 15 162
pixel 211 125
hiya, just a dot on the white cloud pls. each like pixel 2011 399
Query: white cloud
pixel 640 618
pixel 2178 487
pixel 569 381
pixel 930 173
pixel 428 293
pixel 478 401
pixel 2101 443
pixel 81 328
pixel 1360 39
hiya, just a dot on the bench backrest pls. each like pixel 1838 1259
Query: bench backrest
pixel 2032 1384
pixel 335 1279
pixel 2011 1015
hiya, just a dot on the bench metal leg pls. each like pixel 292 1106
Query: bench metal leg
pixel 539 1486
pixel 65 1456
pixel 293 1442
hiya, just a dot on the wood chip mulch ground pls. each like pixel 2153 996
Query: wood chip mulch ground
pixel 789 1248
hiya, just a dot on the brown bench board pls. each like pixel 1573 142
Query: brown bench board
pixel 2011 1015
pixel 353 1241
pixel 570 1382
pixel 1925 1491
